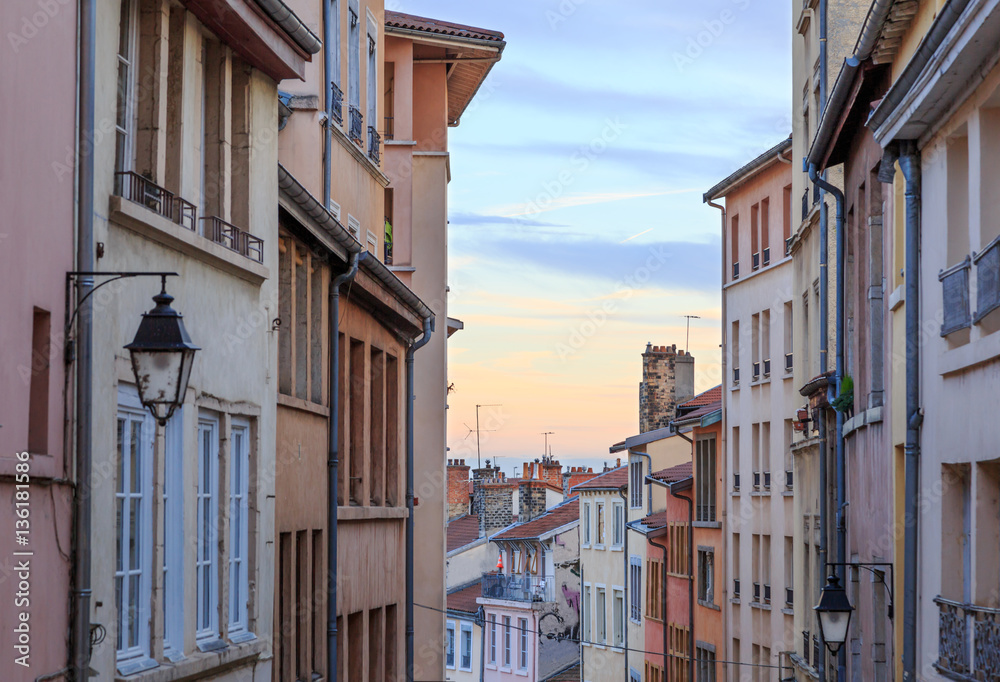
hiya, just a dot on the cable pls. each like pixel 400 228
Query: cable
pixel 622 648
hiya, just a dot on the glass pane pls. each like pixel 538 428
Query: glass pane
pixel 206 586
pixel 205 540
pixel 121 610
pixel 123 77
pixel 237 536
pixel 135 519
pixel 120 513
pixel 135 454
pixel 133 611
pixel 121 455
pixel 124 26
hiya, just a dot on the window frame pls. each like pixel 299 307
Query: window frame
pixel 618 617
pixel 449 646
pixel 465 648
pixel 506 643
pixel 635 484
pixel 601 525
pixel 587 524
pixel 130 62
pixel 207 636
pixel 585 614
pixel 239 629
pixel 706 575
pixel 635 589
pixel 618 528
pixel 601 613
pixel 522 647
pixel 493 638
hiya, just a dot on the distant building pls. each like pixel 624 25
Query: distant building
pixel 667 380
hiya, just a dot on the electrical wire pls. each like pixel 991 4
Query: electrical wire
pixel 622 648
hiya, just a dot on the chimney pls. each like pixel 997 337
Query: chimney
pixel 575 476
pixel 494 502
pixel 458 488
pixel 531 500
pixel 552 472
pixel 667 380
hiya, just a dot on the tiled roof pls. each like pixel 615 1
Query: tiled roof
pixel 712 395
pixel 657 520
pixel 613 479
pixel 557 517
pixel 464 599
pixel 570 674
pixel 700 412
pixel 674 473
pixel 462 531
pixel 415 23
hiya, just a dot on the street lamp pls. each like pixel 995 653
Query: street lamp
pixel 834 611
pixel 162 355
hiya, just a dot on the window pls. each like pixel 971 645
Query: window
pixel 127 57
pixel 654 589
pixel 522 625
pixel 493 638
pixel 586 523
pixel 618 533
pixel 371 76
pixel 207 622
pixel 705 666
pixel 602 616
pixel 635 484
pixel 450 646
pixel 354 71
pixel 239 493
pixel 705 477
pixel 678 638
pixel 585 614
pixel 618 616
pixel 133 567
pixel 600 524
pixel 38 390
pixel 173 538
pixel 506 641
pixel 678 562
pixel 635 589
pixel 301 300
pixel 466 641
pixel 706 575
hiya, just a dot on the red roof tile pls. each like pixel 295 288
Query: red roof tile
pixel 557 517
pixel 701 412
pixel 657 520
pixel 712 395
pixel 464 600
pixel 674 473
pixel 462 531
pixel 415 23
pixel 615 479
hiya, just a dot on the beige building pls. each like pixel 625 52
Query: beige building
pixel 184 181
pixel 758 398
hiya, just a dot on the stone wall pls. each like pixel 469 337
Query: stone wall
pixel 458 488
pixel 667 380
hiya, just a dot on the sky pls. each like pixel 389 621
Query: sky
pixel 577 229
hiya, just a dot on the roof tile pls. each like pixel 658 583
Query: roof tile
pixel 556 517
pixel 615 478
pixel 464 600
pixel 675 473
pixel 462 531
pixel 415 23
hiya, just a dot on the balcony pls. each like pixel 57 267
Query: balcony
pixel 233 238
pixel 767 256
pixel 805 204
pixel 389 131
pixel 767 368
pixel 955 293
pixel 987 264
pixel 968 641
pixel 805 646
pixel 755 261
pixel 736 270
pixel 337 106
pixel 134 187
pixel 374 143
pixel 357 126
pixel 525 588
pixel 736 588
pixel 788 362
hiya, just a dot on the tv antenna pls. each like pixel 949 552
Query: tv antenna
pixel 477 431
pixel 545 448
pixel 687 339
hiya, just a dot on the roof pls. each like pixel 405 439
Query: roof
pixel 612 480
pixel 290 23
pixel 569 674
pixel 657 520
pixel 675 473
pixel 447 28
pixel 712 395
pixel 644 439
pixel 462 531
pixel 765 160
pixel 558 516
pixel 464 598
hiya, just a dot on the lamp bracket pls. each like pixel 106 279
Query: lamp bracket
pixel 85 277
pixel 870 567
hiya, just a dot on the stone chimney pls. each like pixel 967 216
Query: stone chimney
pixel 458 488
pixel 493 501
pixel 551 472
pixel 531 499
pixel 667 380
pixel 575 476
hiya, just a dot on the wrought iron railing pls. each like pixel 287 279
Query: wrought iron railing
pixel 767 255
pixel 233 238
pixel 987 264
pixel 955 292
pixel 767 367
pixel 374 143
pixel 788 362
pixel 736 375
pixel 356 129
pixel 755 261
pixel 134 187
pixel 736 270
pixel 736 587
pixel 968 641
pixel 528 588
pixel 337 106
pixel 816 651
pixel 788 246
pixel 805 203
pixel 390 128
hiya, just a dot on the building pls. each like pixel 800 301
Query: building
pixel 186 184
pixel 463 658
pixel 757 365
pixel 433 69
pixel 531 604
pixel 667 380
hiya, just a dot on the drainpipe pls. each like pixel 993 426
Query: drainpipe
pixel 328 43
pixel 481 617
pixel 838 378
pixel 690 504
pixel 624 496
pixel 410 350
pixel 333 466
pixel 909 161
pixel 663 600
pixel 85 365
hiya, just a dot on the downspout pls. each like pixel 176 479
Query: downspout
pixel 328 43
pixel 627 581
pixel 663 599
pixel 85 364
pixel 691 639
pixel 909 162
pixel 838 378
pixel 410 350
pixel 333 466
pixel 481 617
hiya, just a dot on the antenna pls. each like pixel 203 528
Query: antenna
pixel 687 340
pixel 545 448
pixel 478 431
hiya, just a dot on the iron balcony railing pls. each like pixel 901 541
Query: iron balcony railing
pixel 736 375
pixel 356 130
pixel 987 264
pixel 526 588
pixel 789 479
pixel 756 371
pixel 390 128
pixel 955 293
pixel 816 650
pixel 767 368
pixel 736 587
pixel 736 480
pixel 767 256
pixel 337 107
pixel 736 270
pixel 755 261
pixel 134 187
pixel 374 142
pixel 233 238
pixel 788 362
pixel 968 640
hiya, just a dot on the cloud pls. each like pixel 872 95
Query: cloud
pixel 469 218
pixel 573 200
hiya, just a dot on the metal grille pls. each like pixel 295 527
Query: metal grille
pixel 767 368
pixel 357 125
pixel 134 187
pixel 767 255
pixel 736 587
pixel 337 108
pixel 955 292
pixel 233 238
pixel 528 588
pixel 736 480
pixel 987 279
pixel 755 261
pixel 953 637
pixel 986 646
pixel 374 141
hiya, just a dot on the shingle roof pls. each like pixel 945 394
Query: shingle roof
pixel 700 412
pixel 657 520
pixel 570 674
pixel 674 473
pixel 464 599
pixel 712 395
pixel 613 479
pixel 462 531
pixel 557 517
pixel 415 23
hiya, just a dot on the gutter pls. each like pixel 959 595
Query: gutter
pixel 284 17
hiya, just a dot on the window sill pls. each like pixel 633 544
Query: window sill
pixel 760 493
pixel 788 611
pixel 788 493
pixel 709 605
pixel 735 600
pixel 304 405
pixel 154 227
pixel 399 143
pixel 760 605
pixel 707 524
pixel 977 352
pixel 370 513
pixel 199 664
pixel 872 416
